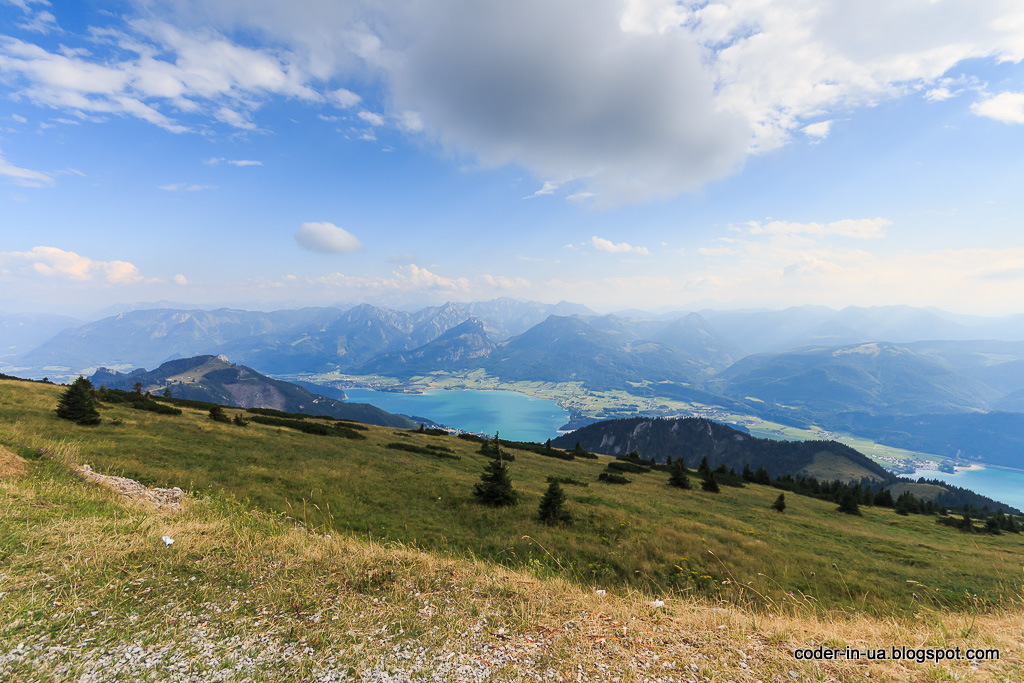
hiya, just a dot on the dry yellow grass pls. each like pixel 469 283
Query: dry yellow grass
pixel 85 577
pixel 11 464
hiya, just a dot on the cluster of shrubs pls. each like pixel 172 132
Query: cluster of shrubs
pixel 437 451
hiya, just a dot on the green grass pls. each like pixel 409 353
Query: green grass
pixel 728 547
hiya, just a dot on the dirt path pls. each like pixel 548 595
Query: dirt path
pixel 161 499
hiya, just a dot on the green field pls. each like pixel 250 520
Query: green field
pixel 729 547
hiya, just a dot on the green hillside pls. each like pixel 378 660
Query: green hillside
pixel 729 547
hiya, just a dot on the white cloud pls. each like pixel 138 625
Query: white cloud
pixel 620 248
pixel 1007 107
pixel 421 278
pixel 54 263
pixel 580 196
pixel 505 283
pixel 214 161
pixel 346 99
pixel 155 65
pixel 180 279
pixel 818 131
pixel 548 188
pixel 185 187
pixel 371 118
pixel 327 237
pixel 862 228
pixel 23 176
pixel 938 94
pixel 19 119
pixel 410 122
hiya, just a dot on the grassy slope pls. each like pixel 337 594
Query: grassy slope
pixel 729 546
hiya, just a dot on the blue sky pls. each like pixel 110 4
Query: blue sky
pixel 619 154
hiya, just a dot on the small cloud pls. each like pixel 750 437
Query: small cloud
pixel 371 118
pixel 580 196
pixel 23 176
pixel 214 161
pixel 410 122
pixel 186 187
pixel 620 248
pixel 423 279
pixel 402 258
pixel 42 22
pixel 1007 107
pixel 329 119
pixel 818 131
pixel 505 283
pixel 180 279
pixel 19 119
pixel 570 245
pixel 346 99
pixel 938 95
pixel 548 188
pixel 327 237
pixel 861 228
pixel 233 118
pixel 368 135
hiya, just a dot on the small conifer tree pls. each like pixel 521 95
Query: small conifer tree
pixel 704 469
pixel 495 485
pixel 552 508
pixel 167 392
pixel 709 484
pixel 848 503
pixel 780 503
pixel 240 421
pixel 77 403
pixel 678 476
pixel 217 414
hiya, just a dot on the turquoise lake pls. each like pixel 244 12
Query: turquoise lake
pixel 516 416
pixel 1004 485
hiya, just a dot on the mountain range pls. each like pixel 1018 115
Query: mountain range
pixel 869 371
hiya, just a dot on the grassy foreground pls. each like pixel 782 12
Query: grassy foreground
pixel 89 592
pixel 454 591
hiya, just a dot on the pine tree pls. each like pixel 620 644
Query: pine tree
pixel 167 392
pixel 239 421
pixel 709 484
pixel 704 469
pixel 848 503
pixel 495 485
pixel 780 503
pixel 552 506
pixel 761 476
pixel 678 477
pixel 77 404
pixel 217 414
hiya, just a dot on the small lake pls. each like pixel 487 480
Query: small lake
pixel 1004 485
pixel 516 416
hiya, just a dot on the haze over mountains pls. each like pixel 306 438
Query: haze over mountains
pixel 875 371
